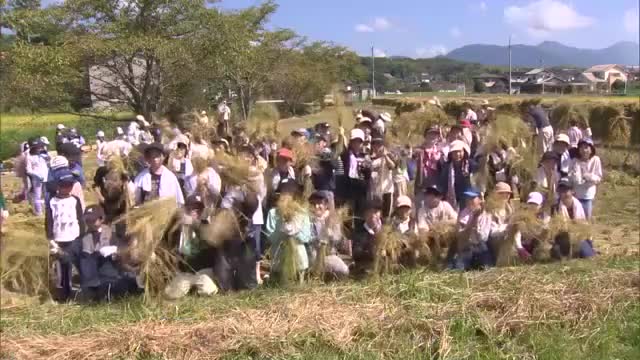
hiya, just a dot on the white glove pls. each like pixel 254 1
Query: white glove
pixel 53 247
pixel 107 251
pixel 289 229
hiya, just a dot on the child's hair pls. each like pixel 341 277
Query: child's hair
pixel 573 122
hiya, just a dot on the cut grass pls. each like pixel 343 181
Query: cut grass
pixel 557 311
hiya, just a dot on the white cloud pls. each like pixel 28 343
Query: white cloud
pixel 432 51
pixel 543 17
pixel 379 53
pixel 364 28
pixel 455 32
pixel 483 6
pixel 378 24
pixel 381 24
pixel 631 21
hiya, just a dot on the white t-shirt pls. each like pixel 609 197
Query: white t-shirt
pixel 64 219
pixel 444 212
pixel 381 177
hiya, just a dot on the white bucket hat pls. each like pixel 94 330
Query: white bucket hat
pixel 385 116
pixel 535 198
pixel 403 201
pixel 100 133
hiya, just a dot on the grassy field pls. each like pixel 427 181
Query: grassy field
pixel 570 310
pixel 16 128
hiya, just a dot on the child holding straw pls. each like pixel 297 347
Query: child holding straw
pixel 586 174
pixel 570 210
pixel 156 181
pixel 326 236
pixel 364 235
pixel 471 250
pixel 288 229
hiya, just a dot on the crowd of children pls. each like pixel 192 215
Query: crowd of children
pixel 354 170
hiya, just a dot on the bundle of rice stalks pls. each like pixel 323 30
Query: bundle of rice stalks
pixel 147 227
pixel 303 155
pixel 288 208
pixel 577 231
pixel 233 170
pixel 441 236
pixel 506 130
pixel 24 261
pixel 263 121
pixel 388 246
pixel 410 127
pixel 619 131
pixel 223 226
pixel 343 115
pixel 563 112
pixel 524 222
pixel 288 270
pixel 200 164
pixel 600 119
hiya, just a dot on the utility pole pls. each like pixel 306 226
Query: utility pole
pixel 373 73
pixel 509 65
pixel 542 72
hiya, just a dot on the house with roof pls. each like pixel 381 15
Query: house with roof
pixel 494 83
pixel 601 77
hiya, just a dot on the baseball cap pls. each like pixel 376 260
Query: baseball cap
pixel 472 192
pixel 93 212
pixel 403 201
pixel 194 202
pixel 60 127
pixel 44 140
pixel 385 116
pixel 285 153
pixel 434 190
pixel 318 196
pixel 153 146
pixel 564 184
pixel 100 133
pixel 550 155
pixel 59 162
pixel 357 134
pixel 465 123
pixel 535 198
pixel 563 138
pixel 65 176
pixel 364 119
pixel 287 186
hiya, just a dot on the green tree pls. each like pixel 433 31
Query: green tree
pixel 618 85
pixel 479 86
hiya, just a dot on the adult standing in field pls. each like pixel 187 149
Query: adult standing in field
pixel 224 116
pixel 543 127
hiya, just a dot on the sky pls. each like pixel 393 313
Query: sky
pixel 427 28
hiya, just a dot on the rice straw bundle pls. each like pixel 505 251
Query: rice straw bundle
pixel 233 170
pixel 289 208
pixel 318 267
pixel 223 226
pixel 506 130
pixel 147 227
pixel 441 235
pixel 577 231
pixel 412 125
pixel 388 246
pixel 342 112
pixel 263 121
pixel 288 271
pixel 24 262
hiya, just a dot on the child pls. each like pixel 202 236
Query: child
pixel 381 184
pixel 526 245
pixel 586 174
pixel 455 174
pixel 156 181
pixel 283 170
pixel 326 232
pixel 37 171
pixel 435 210
pixel 64 224
pixel 561 148
pixel 279 230
pixel 472 250
pixel 570 209
pixel 402 220
pixel 364 236
pixel 547 175
pixel 574 133
pixel 100 143
pixel 179 163
pixel 196 268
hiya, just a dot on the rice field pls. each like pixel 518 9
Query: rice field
pixel 570 310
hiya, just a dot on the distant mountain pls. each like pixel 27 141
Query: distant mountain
pixel 551 53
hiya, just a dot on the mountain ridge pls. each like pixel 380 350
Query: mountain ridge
pixel 548 53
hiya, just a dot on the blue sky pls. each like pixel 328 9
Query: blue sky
pixel 425 28
pixel 429 27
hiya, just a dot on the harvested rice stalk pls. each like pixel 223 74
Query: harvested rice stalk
pixel 388 246
pixel 148 227
pixel 441 236
pixel 24 262
pixel 577 231
pixel 506 130
pixel 233 170
pixel 223 226
pixel 289 269
pixel 289 208
pixel 318 268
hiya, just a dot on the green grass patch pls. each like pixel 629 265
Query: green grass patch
pixel 14 128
